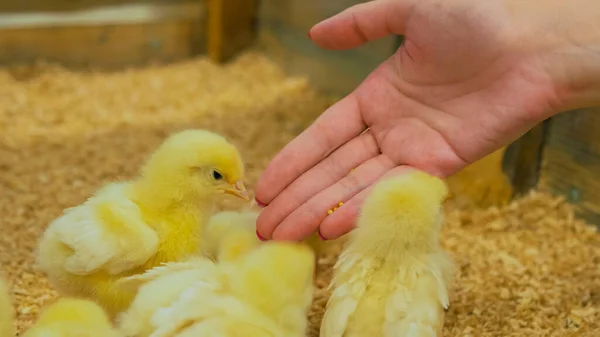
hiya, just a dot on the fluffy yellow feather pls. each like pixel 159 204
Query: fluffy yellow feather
pixel 160 287
pixel 230 234
pixel 72 317
pixel 129 227
pixel 265 292
pixel 7 312
pixel 392 276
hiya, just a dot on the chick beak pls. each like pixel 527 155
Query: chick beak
pixel 239 190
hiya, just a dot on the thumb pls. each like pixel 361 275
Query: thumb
pixel 362 23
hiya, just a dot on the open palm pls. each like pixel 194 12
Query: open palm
pixel 462 85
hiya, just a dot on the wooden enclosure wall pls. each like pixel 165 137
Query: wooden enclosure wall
pixel 110 34
pixel 231 27
pixel 571 160
pixel 283 36
pixel 561 156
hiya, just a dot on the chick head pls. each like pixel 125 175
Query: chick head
pixel 197 163
pixel 404 210
pixel 230 234
pixel 277 279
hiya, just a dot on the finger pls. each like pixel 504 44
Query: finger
pixel 344 219
pixel 324 174
pixel 336 126
pixel 362 23
pixel 306 219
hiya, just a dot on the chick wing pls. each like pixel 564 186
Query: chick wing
pixel 349 285
pixel 104 233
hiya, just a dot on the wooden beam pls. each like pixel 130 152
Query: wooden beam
pixel 14 6
pixel 231 27
pixel 571 161
pixel 105 15
pixel 522 160
pixel 162 36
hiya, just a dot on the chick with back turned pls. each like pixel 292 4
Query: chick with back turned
pixel 392 276
pixel 264 293
pixel 126 228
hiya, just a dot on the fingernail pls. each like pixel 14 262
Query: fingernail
pixel 260 237
pixel 321 235
pixel 260 204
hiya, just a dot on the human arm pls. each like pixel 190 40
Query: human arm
pixel 469 78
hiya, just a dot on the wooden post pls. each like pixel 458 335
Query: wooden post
pixel 230 27
pixel 522 160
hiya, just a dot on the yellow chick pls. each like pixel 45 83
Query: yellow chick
pixel 129 227
pixel 265 292
pixel 230 234
pixel 7 312
pixel 392 277
pixel 72 317
pixel 275 280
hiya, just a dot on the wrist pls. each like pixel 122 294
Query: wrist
pixel 575 71
pixel 565 38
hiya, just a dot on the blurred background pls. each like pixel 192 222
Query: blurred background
pixel 112 35
pixel 88 88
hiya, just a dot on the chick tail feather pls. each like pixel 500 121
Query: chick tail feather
pixel 415 310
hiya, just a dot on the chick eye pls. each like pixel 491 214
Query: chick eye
pixel 217 175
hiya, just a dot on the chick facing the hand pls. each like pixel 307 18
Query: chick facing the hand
pixel 129 227
pixel 392 276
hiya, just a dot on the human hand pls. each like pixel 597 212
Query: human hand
pixel 469 78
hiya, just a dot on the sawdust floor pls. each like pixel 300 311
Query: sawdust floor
pixel 526 269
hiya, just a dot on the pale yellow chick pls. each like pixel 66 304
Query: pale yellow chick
pixel 7 312
pixel 265 292
pixel 129 227
pixel 72 317
pixel 230 234
pixel 392 277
